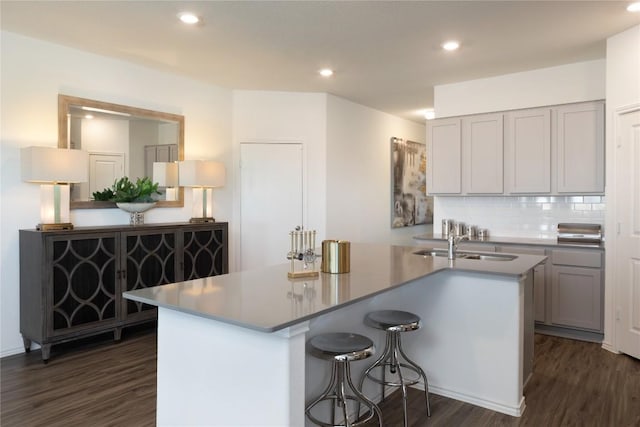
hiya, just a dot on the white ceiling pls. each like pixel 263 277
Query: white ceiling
pixel 386 54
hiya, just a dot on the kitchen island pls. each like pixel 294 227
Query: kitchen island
pixel 231 348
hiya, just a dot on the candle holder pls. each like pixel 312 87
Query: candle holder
pixel 303 243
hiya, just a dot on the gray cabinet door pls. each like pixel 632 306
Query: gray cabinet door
pixel 527 152
pixel 580 148
pixel 444 157
pixel 482 153
pixel 576 299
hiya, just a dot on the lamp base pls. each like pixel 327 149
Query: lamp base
pixel 55 226
pixel 201 220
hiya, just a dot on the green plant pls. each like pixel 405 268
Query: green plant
pixel 125 191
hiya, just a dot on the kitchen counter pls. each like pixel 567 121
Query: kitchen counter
pixel 531 241
pixel 231 348
pixel 261 300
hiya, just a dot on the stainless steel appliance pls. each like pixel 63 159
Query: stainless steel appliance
pixel 580 233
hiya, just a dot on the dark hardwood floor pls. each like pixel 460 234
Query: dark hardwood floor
pixel 101 383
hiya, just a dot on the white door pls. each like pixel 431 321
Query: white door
pixel 270 202
pixel 628 239
pixel 104 169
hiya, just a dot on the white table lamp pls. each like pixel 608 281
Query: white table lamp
pixel 203 176
pixel 54 168
pixel 166 175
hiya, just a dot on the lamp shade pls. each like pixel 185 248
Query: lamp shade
pixel 201 173
pixel 165 174
pixel 50 164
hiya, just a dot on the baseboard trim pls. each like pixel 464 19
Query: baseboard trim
pixel 14 351
pixel 514 411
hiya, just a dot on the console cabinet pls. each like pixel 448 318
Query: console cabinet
pixel 71 282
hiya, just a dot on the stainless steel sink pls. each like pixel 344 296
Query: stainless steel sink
pixel 466 255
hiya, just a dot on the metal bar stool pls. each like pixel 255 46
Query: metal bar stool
pixel 342 348
pixel 394 322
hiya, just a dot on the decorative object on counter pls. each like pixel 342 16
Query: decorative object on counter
pixel 124 190
pixel 459 228
pixel 136 211
pixel 471 231
pixel 166 175
pixel 410 204
pixel 447 226
pixel 132 198
pixel 483 233
pixel 336 256
pixel 303 244
pixel 54 169
pixel 203 176
pixel 341 348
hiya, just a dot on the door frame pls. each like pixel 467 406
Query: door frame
pixel 237 188
pixel 612 289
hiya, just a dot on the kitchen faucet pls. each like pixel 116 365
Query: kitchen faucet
pixel 453 244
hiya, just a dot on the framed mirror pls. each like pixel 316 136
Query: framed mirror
pixel 121 141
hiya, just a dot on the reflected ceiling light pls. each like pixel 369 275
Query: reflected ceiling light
pixel 326 72
pixel 634 7
pixel 101 110
pixel 88 116
pixel 188 18
pixel 451 45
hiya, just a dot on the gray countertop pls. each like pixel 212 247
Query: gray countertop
pixel 530 241
pixel 266 300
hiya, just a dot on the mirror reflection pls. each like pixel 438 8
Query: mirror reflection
pixel 121 141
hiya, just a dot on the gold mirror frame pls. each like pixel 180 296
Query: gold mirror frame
pixel 64 104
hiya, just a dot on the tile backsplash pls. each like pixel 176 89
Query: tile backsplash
pixel 535 217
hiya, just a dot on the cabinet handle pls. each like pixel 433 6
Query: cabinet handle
pixel 118 275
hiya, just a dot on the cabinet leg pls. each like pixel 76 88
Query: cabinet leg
pixel 117 334
pixel 27 344
pixel 46 352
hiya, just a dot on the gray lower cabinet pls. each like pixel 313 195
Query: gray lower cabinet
pixel 576 299
pixel 576 289
pixel 568 291
pixel 71 282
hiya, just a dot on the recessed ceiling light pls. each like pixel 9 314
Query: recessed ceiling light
pixel 188 18
pixel 326 72
pixel 88 116
pixel 451 45
pixel 634 7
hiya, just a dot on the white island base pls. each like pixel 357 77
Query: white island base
pixel 475 345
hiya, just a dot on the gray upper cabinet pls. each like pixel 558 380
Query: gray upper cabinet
pixel 527 151
pixel 482 148
pixel 444 169
pixel 548 150
pixel 580 148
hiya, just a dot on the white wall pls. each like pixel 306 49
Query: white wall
pixel 623 90
pixel 348 162
pixel 268 116
pixel 359 172
pixel 582 81
pixel 33 73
